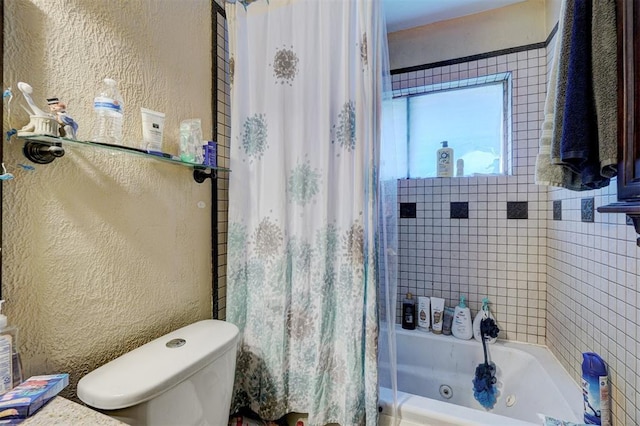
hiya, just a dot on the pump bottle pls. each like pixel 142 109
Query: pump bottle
pixel 461 327
pixel 445 160
pixel 10 363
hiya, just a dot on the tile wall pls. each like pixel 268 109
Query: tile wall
pixel 223 121
pixel 566 278
pixel 592 293
pixel 486 254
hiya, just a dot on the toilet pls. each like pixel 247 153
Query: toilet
pixel 182 378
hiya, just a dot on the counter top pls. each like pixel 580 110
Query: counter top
pixel 61 411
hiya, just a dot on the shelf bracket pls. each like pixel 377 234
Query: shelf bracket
pixel 42 152
pixel 635 218
pixel 200 175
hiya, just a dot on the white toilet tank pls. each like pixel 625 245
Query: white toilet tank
pixel 182 378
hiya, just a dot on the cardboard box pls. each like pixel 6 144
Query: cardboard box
pixel 29 396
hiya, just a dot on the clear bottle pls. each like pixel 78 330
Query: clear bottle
pixel 108 109
pixel 10 362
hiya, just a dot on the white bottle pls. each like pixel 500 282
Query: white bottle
pixel 461 327
pixel 445 160
pixel 424 312
pixel 109 109
pixel 484 313
pixel 460 167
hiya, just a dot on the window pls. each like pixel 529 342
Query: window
pixel 471 115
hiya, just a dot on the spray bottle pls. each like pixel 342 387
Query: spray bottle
pixel 595 390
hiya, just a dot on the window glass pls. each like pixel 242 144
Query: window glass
pixel 472 119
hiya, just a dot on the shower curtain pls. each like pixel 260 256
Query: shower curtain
pixel 305 199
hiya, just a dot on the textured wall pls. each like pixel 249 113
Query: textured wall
pixel 515 25
pixel 103 252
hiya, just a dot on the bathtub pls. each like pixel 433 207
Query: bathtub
pixel 435 374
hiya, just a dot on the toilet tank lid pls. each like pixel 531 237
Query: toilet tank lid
pixel 149 370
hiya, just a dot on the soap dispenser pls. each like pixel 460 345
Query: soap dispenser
pixel 461 327
pixel 10 363
pixel 483 314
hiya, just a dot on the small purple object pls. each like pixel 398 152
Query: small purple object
pixel 210 154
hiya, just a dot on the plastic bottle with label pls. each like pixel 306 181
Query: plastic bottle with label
pixel 424 312
pixel 445 160
pixel 595 390
pixel 108 111
pixel 484 313
pixel 409 312
pixel 461 327
pixel 10 363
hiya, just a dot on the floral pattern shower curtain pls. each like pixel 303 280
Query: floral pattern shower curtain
pixel 305 98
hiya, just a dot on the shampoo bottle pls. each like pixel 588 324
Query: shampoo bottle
pixel 10 364
pixel 445 160
pixel 424 312
pixel 437 310
pixel 484 313
pixel 461 327
pixel 409 313
pixel 447 320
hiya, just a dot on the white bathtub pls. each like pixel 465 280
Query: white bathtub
pixel 530 381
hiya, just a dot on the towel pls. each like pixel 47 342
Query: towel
pixel 604 63
pixel 578 140
pixel 579 149
pixel 547 171
pixel 561 54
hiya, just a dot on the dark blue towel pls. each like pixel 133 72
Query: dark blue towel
pixel 579 146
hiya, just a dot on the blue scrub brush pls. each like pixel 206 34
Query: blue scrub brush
pixel 484 390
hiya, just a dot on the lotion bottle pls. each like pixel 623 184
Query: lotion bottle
pixel 424 312
pixel 445 160
pixel 461 327
pixel 484 313
pixel 437 311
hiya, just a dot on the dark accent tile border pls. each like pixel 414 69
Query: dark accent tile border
pixel 517 210
pixel 459 210
pixel 407 210
pixel 586 209
pixel 557 210
pixel 479 56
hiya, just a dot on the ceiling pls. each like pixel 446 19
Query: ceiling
pixel 403 14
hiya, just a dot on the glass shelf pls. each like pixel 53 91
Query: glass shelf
pixel 34 143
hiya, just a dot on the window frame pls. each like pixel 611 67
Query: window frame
pixel 503 78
